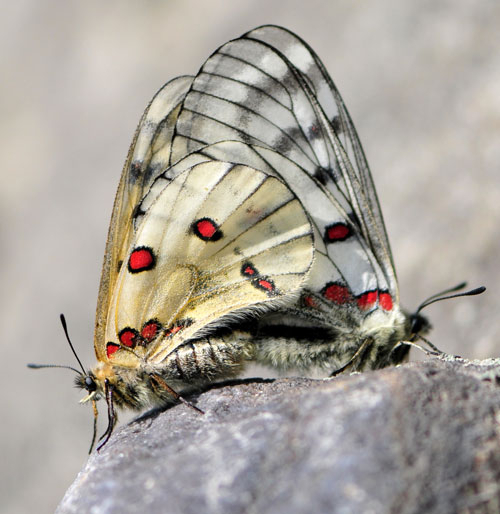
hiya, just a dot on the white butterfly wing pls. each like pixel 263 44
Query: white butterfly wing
pixel 303 57
pixel 254 90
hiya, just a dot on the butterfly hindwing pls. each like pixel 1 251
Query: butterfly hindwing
pixel 220 240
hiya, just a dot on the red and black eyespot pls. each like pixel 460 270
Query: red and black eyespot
pixel 367 300
pixel 337 293
pixel 172 331
pixel 129 337
pixel 206 229
pixel 266 284
pixel 248 270
pixel 178 326
pixel 314 132
pixel 142 258
pixel 111 348
pixel 309 301
pixel 150 330
pixel 337 232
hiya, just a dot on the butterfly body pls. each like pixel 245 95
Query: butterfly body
pixel 222 356
pixel 300 343
pixel 246 227
pixel 186 369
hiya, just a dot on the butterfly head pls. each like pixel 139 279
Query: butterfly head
pixel 419 325
pixel 99 383
pixel 88 382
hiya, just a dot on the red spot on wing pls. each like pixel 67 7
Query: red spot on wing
pixel 337 232
pixel 128 337
pixel 141 259
pixel 266 284
pixel 174 330
pixel 179 325
pixel 207 229
pixel 367 300
pixel 337 293
pixel 309 301
pixel 385 301
pixel 248 270
pixel 111 349
pixel 258 281
pixel 150 330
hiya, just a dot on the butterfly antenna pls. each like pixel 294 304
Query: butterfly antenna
pixel 39 366
pixel 439 296
pixel 65 328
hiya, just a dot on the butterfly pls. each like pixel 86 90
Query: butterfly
pixel 246 227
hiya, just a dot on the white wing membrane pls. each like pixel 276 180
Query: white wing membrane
pixel 250 92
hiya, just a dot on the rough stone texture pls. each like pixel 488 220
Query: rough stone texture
pixel 424 437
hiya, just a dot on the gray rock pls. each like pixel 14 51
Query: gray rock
pixel 419 438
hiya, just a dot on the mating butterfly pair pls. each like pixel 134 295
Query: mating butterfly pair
pixel 246 227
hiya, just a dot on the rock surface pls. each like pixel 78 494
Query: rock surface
pixel 423 437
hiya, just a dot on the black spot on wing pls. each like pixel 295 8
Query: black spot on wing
pixel 354 220
pixel 314 132
pixel 337 125
pixel 324 175
pixel 247 138
pixel 283 145
pixel 138 211
pixel 150 173
pixel 135 171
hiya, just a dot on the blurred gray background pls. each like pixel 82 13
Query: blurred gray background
pixel 422 83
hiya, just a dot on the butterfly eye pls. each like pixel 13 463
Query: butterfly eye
pixel 419 324
pixel 90 384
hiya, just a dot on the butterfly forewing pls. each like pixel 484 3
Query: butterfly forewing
pixel 148 155
pixel 251 92
pixel 303 58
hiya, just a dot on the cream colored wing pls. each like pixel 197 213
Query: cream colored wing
pixel 148 156
pixel 221 240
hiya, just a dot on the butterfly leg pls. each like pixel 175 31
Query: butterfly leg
pixel 96 413
pixel 112 417
pixel 360 356
pixel 157 381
